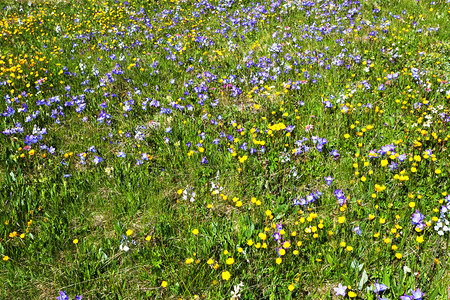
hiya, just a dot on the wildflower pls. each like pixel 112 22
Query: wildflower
pixel 352 294
pixel 226 275
pixel 75 241
pixel 63 296
pixel 379 287
pixel 329 180
pixel 417 294
pixel 419 239
pixel 340 290
pixel 195 231
pixel 5 258
pixel 230 261
pixel 129 232
pixel 164 284
pixel 189 261
pixel 291 287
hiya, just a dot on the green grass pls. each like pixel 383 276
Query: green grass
pixel 190 203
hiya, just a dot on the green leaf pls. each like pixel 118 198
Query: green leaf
pixel 364 279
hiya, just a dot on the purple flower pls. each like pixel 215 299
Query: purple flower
pixel 97 159
pixel 340 196
pixel 417 218
pixel 62 296
pixel 379 287
pixel 340 290
pixel 335 154
pixel 357 229
pixel 204 161
pixel 329 180
pixel 417 294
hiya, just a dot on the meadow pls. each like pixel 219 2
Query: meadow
pixel 224 149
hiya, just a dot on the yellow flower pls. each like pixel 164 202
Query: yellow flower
pixel 349 248
pixel 341 219
pixel 210 261
pixel 31 152
pixel 189 261
pixel 382 220
pixel 412 204
pixel 291 287
pixel 419 239
pixel 164 284
pixel 148 238
pixel 352 294
pixel 75 241
pixel 129 232
pixel 398 255
pixel 384 162
pixel 437 171
pixel 5 258
pixel 226 275
pixel 278 261
pixel 282 252
pixel 195 231
pixel 363 179
pixel 268 212
pixel 346 135
pixel 230 261
pixel 342 244
pixel 180 191
pixel 262 236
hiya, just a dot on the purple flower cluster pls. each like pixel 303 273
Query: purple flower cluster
pixel 339 194
pixel 415 295
pixel 417 220
pixel 308 199
pixel 63 296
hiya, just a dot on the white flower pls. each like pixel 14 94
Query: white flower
pixel 124 247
